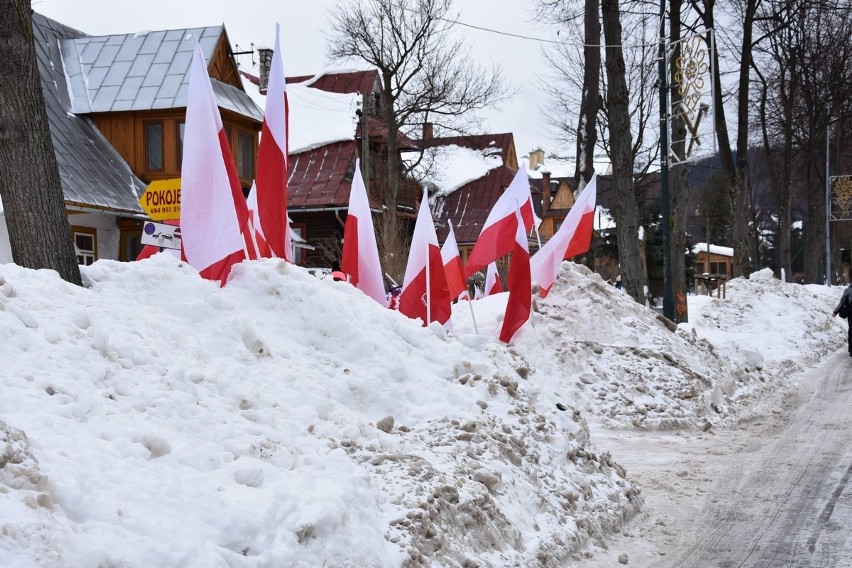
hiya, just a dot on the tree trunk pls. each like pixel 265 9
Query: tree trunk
pixel 590 102
pixel 39 231
pixel 744 232
pixel 678 180
pixel 621 141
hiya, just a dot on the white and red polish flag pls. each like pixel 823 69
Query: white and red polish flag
pixel 492 281
pixel 520 288
pixel 425 293
pixel 214 217
pixel 573 237
pixel 258 239
pixel 273 160
pixel 453 269
pixel 360 257
pixel 498 233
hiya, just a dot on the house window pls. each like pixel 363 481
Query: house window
pixel 180 129
pixel 153 146
pixel 245 155
pixel 85 245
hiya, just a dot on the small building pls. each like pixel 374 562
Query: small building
pixel 467 207
pixel 116 106
pixel 713 260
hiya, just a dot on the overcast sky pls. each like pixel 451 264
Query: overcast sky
pixel 303 43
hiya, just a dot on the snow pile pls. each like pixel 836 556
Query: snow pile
pixel 618 362
pixel 154 419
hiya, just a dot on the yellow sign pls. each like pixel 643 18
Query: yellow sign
pixel 161 201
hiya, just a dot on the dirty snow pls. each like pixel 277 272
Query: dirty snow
pixel 154 419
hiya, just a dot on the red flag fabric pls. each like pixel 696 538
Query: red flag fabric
pixel 498 233
pixel 453 269
pixel 492 281
pixel 214 216
pixel 425 293
pixel 258 238
pixel 273 161
pixel 360 257
pixel 573 237
pixel 520 288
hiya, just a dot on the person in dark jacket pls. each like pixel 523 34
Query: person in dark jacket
pixel 846 300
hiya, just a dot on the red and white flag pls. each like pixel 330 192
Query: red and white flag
pixel 492 281
pixel 520 288
pixel 273 161
pixel 258 238
pixel 573 237
pixel 425 293
pixel 214 217
pixel 453 269
pixel 498 233
pixel 360 258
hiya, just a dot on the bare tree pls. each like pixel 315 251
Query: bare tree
pixel 426 71
pixel 39 231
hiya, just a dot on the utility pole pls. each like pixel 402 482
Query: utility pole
pixel 828 201
pixel 668 292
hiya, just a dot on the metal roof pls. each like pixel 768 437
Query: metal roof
pixel 341 81
pixel 143 71
pixel 92 173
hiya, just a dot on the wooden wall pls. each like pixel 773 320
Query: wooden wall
pixel 126 132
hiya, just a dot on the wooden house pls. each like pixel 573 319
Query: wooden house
pixel 467 207
pixel 116 106
pixel 713 260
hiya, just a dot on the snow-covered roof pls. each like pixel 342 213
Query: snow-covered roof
pixel 714 249
pixel 454 166
pixel 316 117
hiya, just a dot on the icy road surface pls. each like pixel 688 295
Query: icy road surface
pixel 771 494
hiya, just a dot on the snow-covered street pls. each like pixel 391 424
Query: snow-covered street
pixel 152 418
pixel 775 492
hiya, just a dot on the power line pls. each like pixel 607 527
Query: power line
pixel 521 36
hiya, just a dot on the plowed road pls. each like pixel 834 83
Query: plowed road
pixel 773 494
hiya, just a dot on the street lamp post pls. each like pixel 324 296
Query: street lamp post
pixel 828 279
pixel 668 289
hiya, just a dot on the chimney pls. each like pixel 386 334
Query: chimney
pixel 264 56
pixel 536 158
pixel 428 131
pixel 545 191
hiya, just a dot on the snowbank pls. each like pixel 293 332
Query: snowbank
pixel 155 419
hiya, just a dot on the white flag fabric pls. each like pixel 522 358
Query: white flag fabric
pixel 453 269
pixel 360 257
pixel 273 160
pixel 213 209
pixel 492 280
pixel 497 237
pixel 573 238
pixel 425 294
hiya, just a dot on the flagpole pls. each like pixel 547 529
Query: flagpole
pixel 428 275
pixel 473 317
